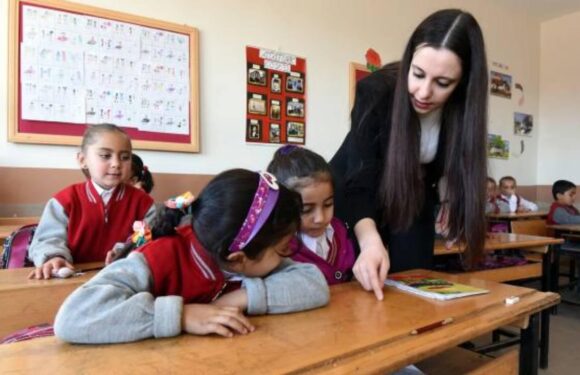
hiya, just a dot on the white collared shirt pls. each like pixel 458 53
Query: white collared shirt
pixel 430 129
pixel 319 245
pixel 104 194
pixel 513 203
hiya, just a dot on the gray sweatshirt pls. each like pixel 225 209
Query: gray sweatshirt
pixel 116 305
pixel 562 216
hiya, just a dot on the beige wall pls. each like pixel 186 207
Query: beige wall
pixel 330 34
pixel 559 147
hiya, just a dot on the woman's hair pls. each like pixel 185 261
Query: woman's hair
pixel 463 132
pixel 297 167
pixel 92 134
pixel 221 208
pixel 140 173
pixel 561 187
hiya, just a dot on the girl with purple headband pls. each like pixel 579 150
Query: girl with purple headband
pixel 200 277
pixel 323 238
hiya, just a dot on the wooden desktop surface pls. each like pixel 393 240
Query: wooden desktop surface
pixel 517 215
pixel 355 332
pixel 27 302
pixel 502 241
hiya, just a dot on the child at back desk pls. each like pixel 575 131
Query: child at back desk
pixel 562 210
pixel 323 238
pixel 141 177
pixel 493 205
pixel 516 203
pixel 188 278
pixel 84 221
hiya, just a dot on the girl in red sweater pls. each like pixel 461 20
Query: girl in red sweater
pixel 84 221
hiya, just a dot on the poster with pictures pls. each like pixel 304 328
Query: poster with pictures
pixel 497 147
pixel 523 124
pixel 276 97
pixel 80 69
pixel 500 84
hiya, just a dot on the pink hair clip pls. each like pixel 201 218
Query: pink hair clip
pixel 262 206
pixel 181 201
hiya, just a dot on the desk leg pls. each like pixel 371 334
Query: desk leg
pixel 529 347
pixel 544 337
pixel 547 281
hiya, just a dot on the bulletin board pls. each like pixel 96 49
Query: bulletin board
pixel 276 97
pixel 356 73
pixel 73 65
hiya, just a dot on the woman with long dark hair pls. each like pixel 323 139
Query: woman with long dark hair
pixel 418 138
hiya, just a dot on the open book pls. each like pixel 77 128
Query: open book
pixel 430 287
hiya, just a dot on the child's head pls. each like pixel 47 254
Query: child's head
pixel 564 192
pixel 306 172
pixel 491 188
pixel 507 186
pixel 105 155
pixel 141 178
pixel 244 219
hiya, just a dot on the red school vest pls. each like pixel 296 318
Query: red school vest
pixel 571 210
pixel 94 228
pixel 180 266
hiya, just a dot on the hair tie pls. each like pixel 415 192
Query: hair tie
pixel 262 206
pixel 141 234
pixel 144 170
pixel 285 150
pixel 180 202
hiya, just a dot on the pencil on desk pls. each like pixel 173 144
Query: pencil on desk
pixel 431 326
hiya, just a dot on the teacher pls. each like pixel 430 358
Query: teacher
pixel 417 139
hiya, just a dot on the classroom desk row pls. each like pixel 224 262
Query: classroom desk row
pixel 355 333
pixel 30 302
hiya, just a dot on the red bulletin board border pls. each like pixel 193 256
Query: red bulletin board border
pixel 49 132
pixel 265 120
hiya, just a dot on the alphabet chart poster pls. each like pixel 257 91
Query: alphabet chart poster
pixel 77 69
pixel 276 97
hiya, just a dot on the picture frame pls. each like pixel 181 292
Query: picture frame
pixel 256 75
pixel 254 130
pixel 275 109
pixel 295 107
pixel 276 83
pixel 274 133
pixel 295 132
pixel 257 105
pixel 295 83
pixel 58 124
pixel 500 84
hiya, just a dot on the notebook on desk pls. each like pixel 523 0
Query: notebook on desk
pixel 434 288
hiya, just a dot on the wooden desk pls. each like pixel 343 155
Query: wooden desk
pixel 29 302
pixel 546 270
pixel 354 333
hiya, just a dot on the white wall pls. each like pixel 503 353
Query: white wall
pixel 559 147
pixel 329 34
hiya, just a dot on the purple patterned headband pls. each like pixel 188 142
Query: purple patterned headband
pixel 264 201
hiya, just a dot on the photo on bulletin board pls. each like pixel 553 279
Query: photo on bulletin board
pixel 497 147
pixel 254 129
pixel 256 75
pixel 295 132
pixel 275 110
pixel 523 124
pixel 73 65
pixel 257 104
pixel 294 107
pixel 356 73
pixel 500 84
pixel 274 133
pixel 276 97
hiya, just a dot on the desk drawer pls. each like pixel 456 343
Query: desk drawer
pixel 462 361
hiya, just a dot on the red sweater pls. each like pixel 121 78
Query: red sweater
pixel 571 210
pixel 180 266
pixel 94 228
